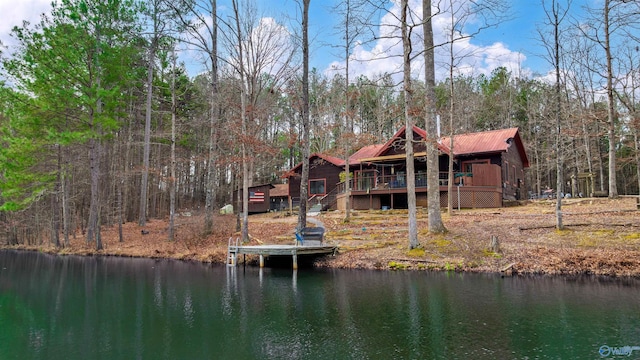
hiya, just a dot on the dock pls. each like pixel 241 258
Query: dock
pixel 277 250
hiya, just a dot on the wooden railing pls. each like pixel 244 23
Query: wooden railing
pixel 398 181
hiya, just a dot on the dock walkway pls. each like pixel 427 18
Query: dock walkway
pixel 277 250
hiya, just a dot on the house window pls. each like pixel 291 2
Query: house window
pixel 467 166
pixel 365 179
pixel 317 187
pixel 506 171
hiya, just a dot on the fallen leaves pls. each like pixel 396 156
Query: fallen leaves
pixel 602 237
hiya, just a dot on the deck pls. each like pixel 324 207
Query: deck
pixel 278 250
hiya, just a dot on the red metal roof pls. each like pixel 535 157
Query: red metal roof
pixel 400 134
pixel 486 142
pixel 366 152
pixel 332 159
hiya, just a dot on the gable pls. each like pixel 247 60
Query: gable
pixel 391 148
pixel 316 159
pixel 487 142
pixel 366 152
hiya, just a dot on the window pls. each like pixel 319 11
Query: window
pixel 506 171
pixel 467 166
pixel 317 187
pixel 365 179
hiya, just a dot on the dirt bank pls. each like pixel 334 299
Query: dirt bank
pixel 602 237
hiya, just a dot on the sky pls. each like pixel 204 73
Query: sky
pixel 513 44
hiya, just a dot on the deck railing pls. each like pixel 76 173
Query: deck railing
pixel 397 181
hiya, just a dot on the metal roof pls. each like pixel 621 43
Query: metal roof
pixel 485 142
pixel 364 153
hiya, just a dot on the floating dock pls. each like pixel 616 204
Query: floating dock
pixel 277 250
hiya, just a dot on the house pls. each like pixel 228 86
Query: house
pixel 324 175
pixel 503 148
pixel 259 198
pixel 488 170
pixel 279 196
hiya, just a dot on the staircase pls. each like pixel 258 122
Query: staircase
pixel 326 201
pixel 232 251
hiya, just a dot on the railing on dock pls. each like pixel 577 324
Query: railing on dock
pixel 232 251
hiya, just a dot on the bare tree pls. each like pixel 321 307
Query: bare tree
pixel 628 97
pixel 172 166
pixel 241 72
pixel 352 28
pixel 260 55
pixel 613 20
pixel 200 19
pixel 466 20
pixel 304 182
pixel 409 113
pixel 433 169
pixel 157 32
pixel 555 16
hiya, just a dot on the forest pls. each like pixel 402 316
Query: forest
pixel 101 124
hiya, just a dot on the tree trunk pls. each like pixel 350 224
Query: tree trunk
pixel 304 181
pixel 347 120
pixel 613 187
pixel 433 167
pixel 408 118
pixel 212 182
pixel 451 116
pixel 558 113
pixel 172 177
pixel 55 203
pixel 636 143
pixel 66 214
pixel 94 168
pixel 144 184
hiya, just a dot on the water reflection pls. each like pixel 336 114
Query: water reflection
pixel 72 308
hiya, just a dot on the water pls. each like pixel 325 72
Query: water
pixel 118 308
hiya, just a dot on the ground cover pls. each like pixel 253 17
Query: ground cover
pixel 601 237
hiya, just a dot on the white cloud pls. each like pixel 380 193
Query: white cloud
pixel 14 12
pixel 385 55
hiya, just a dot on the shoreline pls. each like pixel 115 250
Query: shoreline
pixel 601 238
pixel 403 265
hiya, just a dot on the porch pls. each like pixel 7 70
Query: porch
pixel 390 192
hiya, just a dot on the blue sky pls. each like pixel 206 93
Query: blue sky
pixel 513 44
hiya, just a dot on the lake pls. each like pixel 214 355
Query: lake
pixel 72 307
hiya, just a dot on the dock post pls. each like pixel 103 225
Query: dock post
pixel 261 260
pixel 295 261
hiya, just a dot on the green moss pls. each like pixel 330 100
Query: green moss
pixel 393 265
pixel 587 241
pixel 489 253
pixel 439 242
pixel 564 232
pixel 417 252
pixel 453 267
pixel 474 264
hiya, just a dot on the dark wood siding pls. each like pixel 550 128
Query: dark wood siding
pixel 257 207
pixel 513 175
pixel 318 169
